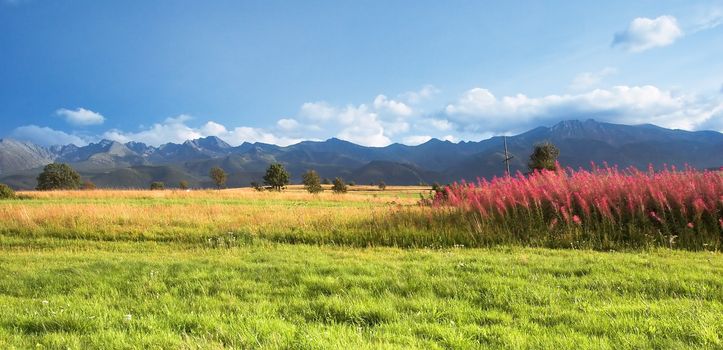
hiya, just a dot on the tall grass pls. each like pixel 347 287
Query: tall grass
pixel 601 208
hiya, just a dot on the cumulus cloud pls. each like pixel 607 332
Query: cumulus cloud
pixel 81 116
pixel 381 102
pixel 287 124
pixel 414 140
pixel 476 114
pixel 645 33
pixel 46 136
pixel 414 97
pixel 177 130
pixel 479 110
pixel 587 80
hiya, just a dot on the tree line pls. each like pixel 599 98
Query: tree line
pixel 59 176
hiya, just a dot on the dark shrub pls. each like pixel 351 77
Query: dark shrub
pixel 6 192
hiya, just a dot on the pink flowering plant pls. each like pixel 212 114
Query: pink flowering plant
pixel 601 208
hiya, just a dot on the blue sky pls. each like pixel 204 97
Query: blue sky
pixel 372 72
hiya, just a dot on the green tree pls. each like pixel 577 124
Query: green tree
pixel 183 184
pixel 218 176
pixel 276 176
pixel 6 192
pixel 338 186
pixel 58 176
pixel 312 182
pixel 544 157
pixel 157 185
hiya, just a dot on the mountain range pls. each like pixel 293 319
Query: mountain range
pixel 135 165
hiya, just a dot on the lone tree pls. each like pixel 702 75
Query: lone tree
pixel 312 182
pixel 183 184
pixel 218 176
pixel 58 176
pixel 6 192
pixel 276 176
pixel 157 185
pixel 544 157
pixel 382 185
pixel 338 186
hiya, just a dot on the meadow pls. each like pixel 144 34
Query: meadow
pixel 367 269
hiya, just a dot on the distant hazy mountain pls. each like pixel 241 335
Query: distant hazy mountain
pixel 134 164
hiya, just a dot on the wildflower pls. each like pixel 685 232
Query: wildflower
pixel 127 318
pixel 45 302
pixel 576 219
pixel 655 216
pixel 553 223
pixel 690 225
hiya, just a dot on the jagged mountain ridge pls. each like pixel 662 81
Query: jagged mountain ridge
pixel 134 164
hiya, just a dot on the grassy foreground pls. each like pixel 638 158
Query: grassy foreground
pixel 207 269
pixel 149 295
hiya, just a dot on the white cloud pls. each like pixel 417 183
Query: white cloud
pixel 213 129
pixel 287 124
pixel 416 139
pixel 712 19
pixel 587 80
pixel 381 102
pixel 318 111
pixel 81 116
pixel 176 130
pixel 645 33
pixel 46 136
pixel 479 110
pixel 441 124
pixel 425 93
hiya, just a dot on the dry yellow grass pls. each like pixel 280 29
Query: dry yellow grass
pixel 193 215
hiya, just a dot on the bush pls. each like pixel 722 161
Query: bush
pixel 257 186
pixel 312 182
pixel 326 181
pixel 87 185
pixel 183 184
pixel 157 185
pixel 6 192
pixel 382 185
pixel 339 186
pixel 352 183
pixel 58 176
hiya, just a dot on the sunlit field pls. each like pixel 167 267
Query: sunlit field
pixel 239 268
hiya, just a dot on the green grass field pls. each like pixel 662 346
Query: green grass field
pixel 207 269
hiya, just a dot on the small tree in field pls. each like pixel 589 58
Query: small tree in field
pixel 312 182
pixel 218 176
pixel 58 176
pixel 382 185
pixel 276 176
pixel 157 186
pixel 87 185
pixel 339 186
pixel 6 192
pixel 544 157
pixel 183 184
